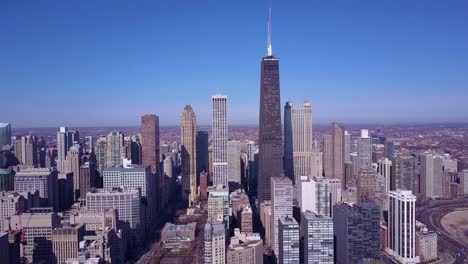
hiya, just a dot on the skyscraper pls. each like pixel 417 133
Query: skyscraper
pixel 404 173
pixel 281 206
pixel 365 150
pixel 115 151
pixel 202 152
pixel 302 140
pixel 270 138
pixel 188 130
pixel 150 141
pixel 317 231
pixel 402 226
pixel 338 154
pixel 347 146
pixel 288 240
pixel 234 162
pixel 72 164
pixel 64 142
pixel 219 139
pixel 288 142
pixel 5 134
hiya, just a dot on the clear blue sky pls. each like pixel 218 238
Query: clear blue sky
pixel 102 62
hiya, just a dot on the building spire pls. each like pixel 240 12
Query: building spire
pixel 269 48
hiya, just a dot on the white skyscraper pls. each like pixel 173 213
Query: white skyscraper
pixel 302 140
pixel 402 226
pixel 128 205
pixel 219 140
pixel 384 169
pixel 64 142
pixel 365 150
pixel 234 168
pixel 281 206
pixel 319 194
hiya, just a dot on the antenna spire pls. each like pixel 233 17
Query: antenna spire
pixel 269 48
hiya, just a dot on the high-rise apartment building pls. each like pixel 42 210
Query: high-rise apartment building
pixel 357 232
pixel 189 152
pixel 402 226
pixel 302 140
pixel 219 139
pixel 431 172
pixel 5 134
pixel 338 154
pixel 270 162
pixel 100 152
pixel 318 194
pixel 384 169
pixel 288 240
pixel 366 184
pixel 115 150
pixel 219 209
pixel 404 173
pixel 347 146
pixel 234 161
pixel 317 232
pixel 281 206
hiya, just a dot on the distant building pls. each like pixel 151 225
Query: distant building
pixel 150 142
pixel 188 135
pixel 64 142
pixel 281 206
pixel 219 139
pixel 347 146
pixel 366 184
pixel 317 232
pixel 203 186
pixel 115 151
pixel 5 134
pixel 202 152
pixel 404 174
pixel 66 241
pixel 319 194
pixel 431 171
pixel 302 141
pixel 7 180
pixel 87 179
pixel 365 150
pixel 384 169
pixel 402 230
pixel 234 161
pixel 288 240
pixel 73 164
pixel 334 154
pixel 288 142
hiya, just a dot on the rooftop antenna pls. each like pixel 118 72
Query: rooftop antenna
pixel 269 48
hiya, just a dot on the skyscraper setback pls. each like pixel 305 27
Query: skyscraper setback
pixel 219 140
pixel 270 134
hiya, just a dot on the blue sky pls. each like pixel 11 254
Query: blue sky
pixel 88 63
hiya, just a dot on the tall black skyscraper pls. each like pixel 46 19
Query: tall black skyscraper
pixel 288 142
pixel 202 152
pixel 270 138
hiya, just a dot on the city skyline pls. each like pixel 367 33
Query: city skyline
pixel 411 53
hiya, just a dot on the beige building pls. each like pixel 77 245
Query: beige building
pixel 189 152
pixel 215 244
pixel 245 248
pixel 37 224
pixel 265 216
pixel 66 240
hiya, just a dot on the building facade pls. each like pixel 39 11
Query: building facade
pixel 219 139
